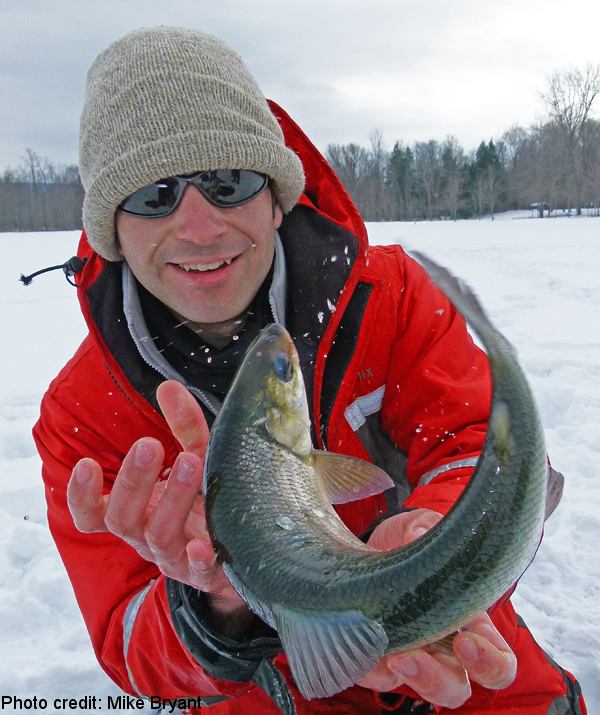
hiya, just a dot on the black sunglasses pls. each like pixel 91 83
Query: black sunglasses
pixel 222 187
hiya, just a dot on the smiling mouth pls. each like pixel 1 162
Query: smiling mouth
pixel 203 267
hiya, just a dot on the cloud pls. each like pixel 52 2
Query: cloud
pixel 416 70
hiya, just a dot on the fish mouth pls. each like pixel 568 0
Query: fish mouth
pixel 279 340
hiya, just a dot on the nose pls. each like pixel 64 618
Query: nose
pixel 196 219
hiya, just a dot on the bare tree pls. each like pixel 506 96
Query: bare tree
pixel 38 195
pixel 375 188
pixel 453 194
pixel 349 162
pixel 569 99
pixel 428 173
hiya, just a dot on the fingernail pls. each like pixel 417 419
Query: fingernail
pixel 406 666
pixel 419 531
pixel 184 471
pixel 144 454
pixel 82 472
pixel 467 649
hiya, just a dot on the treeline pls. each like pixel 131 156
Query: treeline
pixel 552 165
pixel 39 196
pixel 525 168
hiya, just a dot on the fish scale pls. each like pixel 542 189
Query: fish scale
pixel 337 603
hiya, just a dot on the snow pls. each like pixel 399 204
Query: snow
pixel 539 280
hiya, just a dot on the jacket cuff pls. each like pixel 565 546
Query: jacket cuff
pixel 219 656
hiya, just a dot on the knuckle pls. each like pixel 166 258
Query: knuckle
pixel 443 691
pixel 120 529
pixel 84 526
pixel 502 674
pixel 159 544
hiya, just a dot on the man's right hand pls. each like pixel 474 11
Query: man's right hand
pixel 163 521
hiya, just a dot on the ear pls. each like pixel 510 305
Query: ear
pixel 117 239
pixel 277 212
pixel 118 242
pixel 277 215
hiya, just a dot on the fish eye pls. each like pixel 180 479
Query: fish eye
pixel 283 368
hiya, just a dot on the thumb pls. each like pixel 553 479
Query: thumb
pixel 401 529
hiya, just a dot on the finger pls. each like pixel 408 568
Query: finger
pixel 205 567
pixel 381 678
pixel 165 530
pixel 403 528
pixel 486 655
pixel 444 683
pixel 184 416
pixel 132 491
pixel 84 497
pixel 423 520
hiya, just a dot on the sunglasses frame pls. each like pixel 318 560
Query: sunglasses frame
pixel 183 181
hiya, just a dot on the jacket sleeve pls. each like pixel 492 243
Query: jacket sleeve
pixel 438 392
pixel 121 596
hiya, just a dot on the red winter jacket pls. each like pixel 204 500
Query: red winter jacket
pixel 404 368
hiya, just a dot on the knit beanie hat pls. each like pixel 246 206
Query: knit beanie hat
pixel 165 101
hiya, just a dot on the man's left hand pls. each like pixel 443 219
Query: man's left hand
pixel 480 653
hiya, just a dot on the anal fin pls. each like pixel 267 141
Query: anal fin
pixel 329 652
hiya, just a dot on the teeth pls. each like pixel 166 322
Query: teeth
pixel 204 266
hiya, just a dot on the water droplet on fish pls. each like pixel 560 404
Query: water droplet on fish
pixel 320 316
pixel 419 429
pixel 319 513
pixel 284 522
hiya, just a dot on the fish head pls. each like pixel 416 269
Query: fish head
pixel 270 383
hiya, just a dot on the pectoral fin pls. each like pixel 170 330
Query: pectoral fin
pixel 329 652
pixel 348 478
pixel 556 483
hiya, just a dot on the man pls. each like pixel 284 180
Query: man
pixel 208 215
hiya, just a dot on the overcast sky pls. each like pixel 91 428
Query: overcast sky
pixel 415 69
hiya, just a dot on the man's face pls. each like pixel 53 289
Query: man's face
pixel 205 263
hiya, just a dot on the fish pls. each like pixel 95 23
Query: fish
pixel 338 604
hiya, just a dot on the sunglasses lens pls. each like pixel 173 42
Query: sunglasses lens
pixel 157 199
pixel 230 187
pixel 223 188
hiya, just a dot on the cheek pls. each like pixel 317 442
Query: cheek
pixel 135 241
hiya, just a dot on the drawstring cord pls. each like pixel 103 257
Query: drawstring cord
pixel 70 268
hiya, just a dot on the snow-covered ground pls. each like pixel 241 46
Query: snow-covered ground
pixel 540 283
